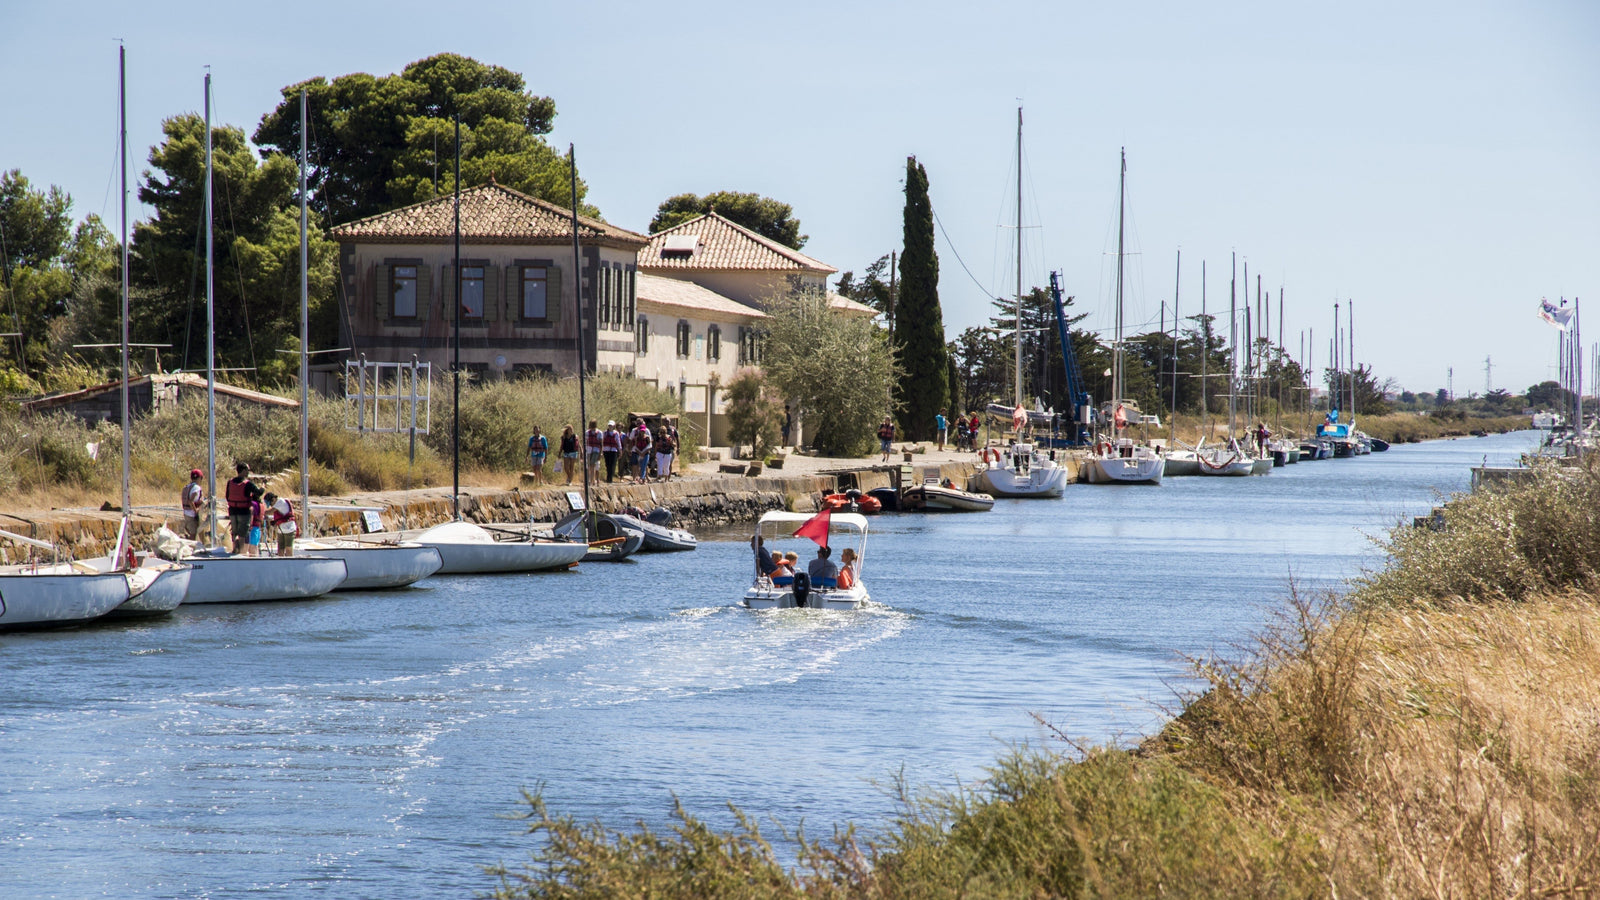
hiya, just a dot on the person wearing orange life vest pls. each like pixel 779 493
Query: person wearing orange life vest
pixel 238 497
pixel 280 513
pixel 641 441
pixel 593 441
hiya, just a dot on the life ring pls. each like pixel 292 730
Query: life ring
pixel 1103 448
pixel 988 455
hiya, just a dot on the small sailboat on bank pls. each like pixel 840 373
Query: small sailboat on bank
pixel 1118 459
pixel 40 596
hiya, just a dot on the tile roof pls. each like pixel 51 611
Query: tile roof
pixel 724 244
pixel 490 214
pixel 688 295
pixel 839 301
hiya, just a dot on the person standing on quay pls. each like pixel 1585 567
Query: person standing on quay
pixel 788 421
pixel 591 450
pixel 640 439
pixel 665 448
pixel 611 448
pixel 886 436
pixel 569 453
pixel 942 426
pixel 190 500
pixel 538 449
pixel 238 497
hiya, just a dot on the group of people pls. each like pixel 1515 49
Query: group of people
pixel 966 428
pixel 250 511
pixel 784 565
pixel 628 453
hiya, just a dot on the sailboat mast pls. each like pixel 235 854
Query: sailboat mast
pixel 122 151
pixel 455 366
pixel 1350 335
pixel 211 342
pixel 583 367
pixel 1017 339
pixel 1337 382
pixel 1177 287
pixel 1233 343
pixel 305 337
pixel 1116 358
pixel 1205 348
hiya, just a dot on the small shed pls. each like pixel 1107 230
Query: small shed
pixel 103 402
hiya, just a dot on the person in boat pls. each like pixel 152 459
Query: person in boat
pixel 592 442
pixel 822 566
pixel 569 452
pixel 764 564
pixel 847 568
pixel 784 567
pixel 885 436
pixel 538 449
pixel 1262 435
pixel 238 497
pixel 191 498
pixel 257 520
pixel 280 514
pixel 611 448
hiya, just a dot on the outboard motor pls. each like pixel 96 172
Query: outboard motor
pixel 802 589
pixel 659 516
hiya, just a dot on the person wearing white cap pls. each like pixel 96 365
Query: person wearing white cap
pixel 611 446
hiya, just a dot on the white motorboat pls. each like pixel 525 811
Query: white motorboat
pixel 40 597
pixel 1227 461
pixel 469 548
pixel 1181 463
pixel 797 591
pixel 250 579
pixel 936 497
pixel 375 567
pixel 1021 470
pixel 1124 463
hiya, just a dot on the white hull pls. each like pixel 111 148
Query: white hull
pixel 660 538
pixel 376 568
pixel 783 598
pixel 155 590
pixel 58 599
pixel 998 481
pixel 468 548
pixel 1181 463
pixel 1226 464
pixel 1124 469
pixel 943 499
pixel 1262 466
pixel 248 579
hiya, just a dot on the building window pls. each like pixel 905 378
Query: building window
pixel 403 288
pixel 535 299
pixel 603 296
pixel 631 298
pixel 472 292
pixel 641 335
pixel 749 347
pixel 683 339
pixel 714 343
pixel 619 286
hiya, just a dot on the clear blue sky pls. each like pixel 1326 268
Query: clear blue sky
pixel 1436 162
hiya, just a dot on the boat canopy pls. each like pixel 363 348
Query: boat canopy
pixel 848 520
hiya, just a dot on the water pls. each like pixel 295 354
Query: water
pixel 373 745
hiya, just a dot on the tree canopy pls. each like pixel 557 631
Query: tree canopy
pixel 839 368
pixel 873 288
pixel 378 142
pixel 256 244
pixel 765 216
pixel 46 268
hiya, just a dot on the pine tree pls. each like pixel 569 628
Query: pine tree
pixel 919 324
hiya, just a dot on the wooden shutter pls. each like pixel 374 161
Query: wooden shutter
pixel 552 295
pixel 382 291
pixel 491 295
pixel 447 291
pixel 424 290
pixel 513 293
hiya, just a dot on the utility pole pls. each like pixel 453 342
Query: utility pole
pixel 1488 375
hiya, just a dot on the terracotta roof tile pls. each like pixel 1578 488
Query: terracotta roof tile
pixel 688 295
pixel 724 244
pixel 490 214
pixel 839 301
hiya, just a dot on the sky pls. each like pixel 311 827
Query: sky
pixel 1433 163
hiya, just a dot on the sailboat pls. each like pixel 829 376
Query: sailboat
pixel 368 566
pixel 1020 470
pixel 1118 460
pixel 36 596
pixel 464 546
pixel 218 576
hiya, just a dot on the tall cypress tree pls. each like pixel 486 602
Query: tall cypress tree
pixel 919 324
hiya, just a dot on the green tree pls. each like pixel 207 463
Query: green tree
pixel 256 242
pixel 765 216
pixel 378 142
pixel 1550 395
pixel 873 289
pixel 755 414
pixel 808 346
pixel 919 332
pixel 36 278
pixel 982 366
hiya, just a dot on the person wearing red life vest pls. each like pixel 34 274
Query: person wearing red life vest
pixel 593 441
pixel 611 448
pixel 280 513
pixel 238 497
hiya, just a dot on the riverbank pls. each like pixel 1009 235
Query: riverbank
pixel 1431 733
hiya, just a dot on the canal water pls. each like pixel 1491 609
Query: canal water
pixel 374 745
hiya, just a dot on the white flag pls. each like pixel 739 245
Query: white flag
pixel 1559 316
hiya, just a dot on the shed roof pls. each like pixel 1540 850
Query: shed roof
pixel 184 379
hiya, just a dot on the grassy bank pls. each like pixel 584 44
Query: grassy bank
pixel 1436 732
pixel 56 461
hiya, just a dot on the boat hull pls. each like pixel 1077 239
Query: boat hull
pixel 34 601
pixel 154 590
pixel 1041 483
pixel 468 549
pixel 1124 469
pixel 1261 466
pixel 934 498
pixel 659 538
pixel 783 598
pixel 370 568
pixel 252 579
pixel 1180 464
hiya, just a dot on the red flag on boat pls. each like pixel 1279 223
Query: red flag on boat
pixel 816 527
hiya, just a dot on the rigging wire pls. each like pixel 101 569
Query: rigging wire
pixel 951 244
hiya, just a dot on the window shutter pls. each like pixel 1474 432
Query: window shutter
pixel 424 290
pixel 382 291
pixel 491 293
pixel 490 311
pixel 513 293
pixel 447 291
pixel 553 300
